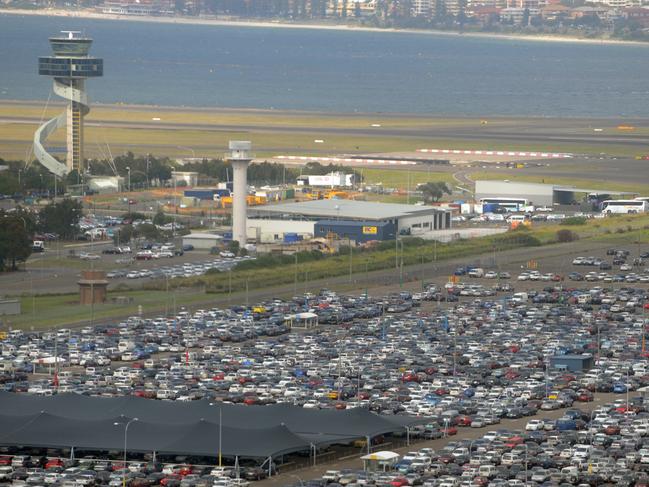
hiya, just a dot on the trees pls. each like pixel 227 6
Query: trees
pixel 160 218
pixel 15 241
pixel 123 234
pixel 62 218
pixel 433 191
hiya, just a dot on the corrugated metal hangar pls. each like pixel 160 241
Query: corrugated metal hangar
pixel 360 220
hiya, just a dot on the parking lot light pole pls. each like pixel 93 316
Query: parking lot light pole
pixel 626 412
pixel 526 479
pixel 220 432
pixel 125 444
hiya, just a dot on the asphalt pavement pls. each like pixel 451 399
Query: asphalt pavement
pixel 466 433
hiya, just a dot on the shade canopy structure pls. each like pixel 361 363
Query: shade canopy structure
pixel 97 423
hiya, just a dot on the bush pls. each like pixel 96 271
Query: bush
pixel 566 236
pixel 516 238
pixel 575 220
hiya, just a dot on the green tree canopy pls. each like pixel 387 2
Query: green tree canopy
pixel 15 241
pixel 62 218
pixel 433 191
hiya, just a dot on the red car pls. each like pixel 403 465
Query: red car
pixel 451 430
pixel 585 397
pixel 53 463
pixel 5 460
pixel 170 477
pixel 399 482
pixel 463 421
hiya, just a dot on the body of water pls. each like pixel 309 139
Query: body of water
pixel 336 71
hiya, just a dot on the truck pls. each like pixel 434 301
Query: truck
pixel 38 246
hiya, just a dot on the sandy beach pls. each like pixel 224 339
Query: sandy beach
pixel 90 14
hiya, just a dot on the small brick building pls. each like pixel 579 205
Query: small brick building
pixel 93 287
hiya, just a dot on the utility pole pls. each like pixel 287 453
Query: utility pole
pixel 350 260
pixel 396 252
pixel 295 279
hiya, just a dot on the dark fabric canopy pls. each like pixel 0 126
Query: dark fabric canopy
pixel 198 438
pixel 66 420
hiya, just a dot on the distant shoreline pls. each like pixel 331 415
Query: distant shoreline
pixel 85 14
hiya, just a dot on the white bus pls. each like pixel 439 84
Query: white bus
pixel 509 204
pixel 624 206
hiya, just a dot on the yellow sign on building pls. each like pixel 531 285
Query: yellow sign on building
pixel 370 230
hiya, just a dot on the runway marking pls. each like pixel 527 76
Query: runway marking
pixel 347 159
pixel 549 155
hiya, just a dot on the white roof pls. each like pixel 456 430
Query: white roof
pixel 203 236
pixel 306 316
pixel 365 210
pixel 381 456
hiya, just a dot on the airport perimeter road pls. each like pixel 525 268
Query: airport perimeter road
pixel 54 273
pixel 289 478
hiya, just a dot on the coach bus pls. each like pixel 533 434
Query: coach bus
pixel 508 204
pixel 624 206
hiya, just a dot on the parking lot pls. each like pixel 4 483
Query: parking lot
pixel 470 356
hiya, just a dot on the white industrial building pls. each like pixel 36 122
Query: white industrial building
pixel 301 217
pixel 272 230
pixel 202 241
pixel 331 180
pixel 105 184
pixel 537 194
pixel 184 178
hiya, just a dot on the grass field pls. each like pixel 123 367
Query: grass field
pixel 49 311
pixel 403 178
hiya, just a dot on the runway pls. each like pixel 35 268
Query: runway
pixel 532 133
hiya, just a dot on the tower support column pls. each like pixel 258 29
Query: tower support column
pixel 239 157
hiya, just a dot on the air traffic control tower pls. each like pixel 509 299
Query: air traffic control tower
pixel 70 67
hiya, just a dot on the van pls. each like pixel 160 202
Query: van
pixel 6 367
pixel 488 471
pixel 476 272
pixel 125 346
pixel 519 298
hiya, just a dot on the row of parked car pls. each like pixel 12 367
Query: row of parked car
pixel 610 447
pixel 188 269
pixel 465 363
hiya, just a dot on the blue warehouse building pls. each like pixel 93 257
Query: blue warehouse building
pixel 572 363
pixel 358 231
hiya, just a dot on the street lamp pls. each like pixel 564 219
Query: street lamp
pixel 220 433
pixel 526 479
pixel 128 170
pixel 125 439
pixel 147 171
